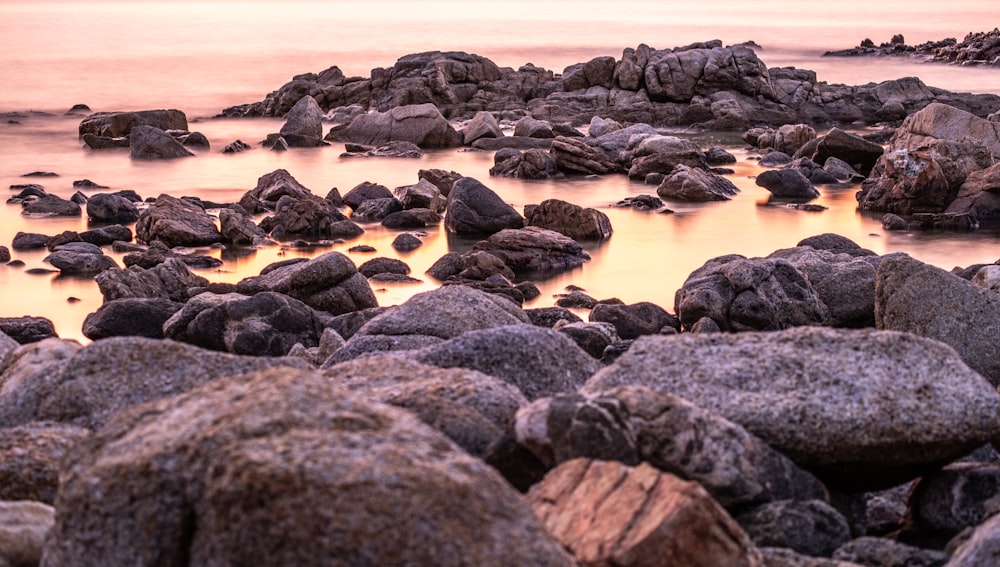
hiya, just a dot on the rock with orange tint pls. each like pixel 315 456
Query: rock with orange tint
pixel 607 513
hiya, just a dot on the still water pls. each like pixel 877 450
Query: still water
pixel 202 57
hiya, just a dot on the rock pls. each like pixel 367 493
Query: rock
pixel 607 513
pixel 717 155
pixel 529 127
pixel 576 156
pixel 397 149
pixel 959 496
pixel 132 317
pixel 600 126
pixel 61 382
pixel 71 262
pixel 4 254
pixel 119 124
pixel 540 362
pixel 835 243
pixel 51 206
pixel 787 184
pixel 238 228
pixel 570 220
pixel 411 218
pixel 376 210
pixel 236 147
pixel 383 266
pixel 31 457
pixel 421 124
pixel 534 250
pixel 96 142
pixel 919 298
pixel 635 424
pixel 979 195
pixel 982 548
pixel 893 222
pixel 364 192
pixel 787 139
pixel 938 121
pixel 474 209
pixel 107 235
pixel 304 123
pixel 176 222
pixel 593 338
pixel 661 154
pixel 742 294
pixel 775 158
pixel 633 321
pixel 529 164
pixel 841 170
pixel 406 242
pixel 170 280
pixel 270 189
pixel 482 125
pixel 149 142
pixel 23 528
pixel 512 142
pixel 691 184
pixel 195 140
pixel 25 330
pixel 29 241
pixel 791 388
pixel 310 216
pixel 810 527
pixel 329 282
pixel 548 316
pixel 263 451
pixel 880 551
pixel 422 195
pixel 857 152
pixel 784 557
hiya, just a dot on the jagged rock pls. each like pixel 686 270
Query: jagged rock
pixel 574 155
pixel 176 222
pixel 570 220
pixel 607 513
pixel 421 124
pixel 51 206
pixel 270 189
pixel 787 184
pixel 133 317
pixel 850 148
pixel 365 191
pixel 236 147
pixel 120 124
pixel 25 330
pixel 443 180
pixel 534 250
pixel 105 207
pixel 787 139
pixel 482 125
pixel 692 184
pixel 149 142
pixel 791 388
pixel 30 458
pixel 529 164
pixel 376 210
pixel 169 280
pixel 329 282
pixel 238 228
pixel 979 195
pixel 633 321
pixel 810 527
pixel 422 195
pixel 304 123
pixel 661 154
pixel 310 216
pixel 474 209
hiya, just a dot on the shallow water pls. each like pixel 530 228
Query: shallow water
pixel 201 57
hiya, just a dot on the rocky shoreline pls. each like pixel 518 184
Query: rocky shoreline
pixel 820 406
pixel 979 49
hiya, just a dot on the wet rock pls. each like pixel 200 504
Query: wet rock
pixel 784 387
pixel 633 321
pixel 270 189
pixel 31 457
pixel 309 216
pixel 365 191
pixel 421 124
pixel 397 149
pixel 810 527
pixel 529 164
pixel 717 155
pixel 25 330
pixel 411 218
pixel 156 254
pixel 239 229
pixel 51 206
pixel 570 220
pixel 661 154
pixel 850 148
pixel 482 125
pixel 422 195
pixel 71 261
pixel 132 317
pixel 979 195
pixel 607 513
pixel 236 147
pixel 406 242
pixel 176 222
pixel 534 250
pixel 304 123
pixel 787 139
pixel 29 241
pixel 383 266
pixel 529 127
pixel 4 254
pixel 474 209
pixel 742 294
pixel 925 300
pixel 787 184
pixel 23 528
pixel 376 210
pixel 691 184
pixel 329 282
pixel 149 142
pixel 119 124
pixel 641 203
pixel 169 280
pixel 842 171
pixel 107 235
pixel 576 156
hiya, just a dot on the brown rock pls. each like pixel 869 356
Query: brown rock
pixel 571 220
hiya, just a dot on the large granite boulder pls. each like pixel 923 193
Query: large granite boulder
pixel 149 142
pixel 635 424
pixel 31 456
pixel 120 124
pixel 176 222
pixel 568 219
pixel 534 250
pixel 925 300
pixel 130 317
pixel 421 124
pixel 270 189
pixel 265 324
pixel 111 208
pixel 694 184
pixel 169 280
pixel 849 405
pixel 474 209
pixel 329 282
pixel 607 513
pixel 368 483
pixel 741 294
pixel 303 125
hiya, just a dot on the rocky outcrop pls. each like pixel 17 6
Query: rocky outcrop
pixel 329 282
pixel 849 419
pixel 421 124
pixel 474 209
pixel 176 222
pixel 120 124
pixel 568 219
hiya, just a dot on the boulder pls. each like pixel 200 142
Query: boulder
pixel 529 164
pixel 107 235
pixel 938 121
pixel 25 330
pixel 169 280
pixel 791 388
pixel 692 184
pixel 365 191
pixel 236 147
pixel 29 241
pixel 237 228
pixel 474 209
pixel 30 459
pixel 887 552
pixel 411 218
pixel 80 263
pixel 329 282
pixel 600 126
pixel 982 548
pixel 635 320
pixel 23 528
pixel 570 220
pixel 534 250
pixel 529 127
pixel 421 124
pixel 576 156
pixel 788 138
pixel 376 210
pixel 959 496
pixel 979 195
pixel 368 483
pixel 310 216
pixel 810 527
pixel 130 317
pixel 742 294
pixel 925 300
pixel 661 154
pixel 304 123
pixel 176 222
pixel 270 189
pixel 856 151
pixel 265 324
pixel 607 513
pixel 593 338
pixel 634 424
pixel 787 184
pixel 440 178
pixel 120 124
pixel 51 206
pixel 421 195
pixel 149 142
pixel 482 125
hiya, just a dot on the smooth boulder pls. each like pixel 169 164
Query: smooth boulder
pixel 574 221
pixel 474 209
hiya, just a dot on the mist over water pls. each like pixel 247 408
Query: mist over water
pixel 201 57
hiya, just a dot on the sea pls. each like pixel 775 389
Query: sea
pixel 203 56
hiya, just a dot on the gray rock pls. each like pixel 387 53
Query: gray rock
pixel 286 440
pixel 29 241
pixel 132 317
pixel 982 548
pixel 406 242
pixel 119 124
pixel 888 553
pixel 787 184
pixel 107 235
pixel 549 316
pixel 270 189
pixel 529 164
pixel 979 195
pixel 841 170
pixel 482 125
pixel 169 280
pixel 238 228
pixel 570 220
pixel 925 300
pixel 106 207
pixel 474 209
pixel 593 338
pixel 149 142
pixel 635 320
pixel 376 210
pixel 70 262
pixel 693 184
pixel 422 195
pixel 329 282
pixel 304 122
pixel 533 250
pixel 852 149
pixel 661 154
pixel 51 206
pixel 810 527
pixel 176 222
pixel 530 127
pixel 383 266
pixel 27 329
pixel 600 126
pixel 365 191
pixel 784 557
pixel 440 178
pixel 831 400
pixel 30 459
pixel 576 156
pixel 742 294
pixel 959 496
pixel 421 124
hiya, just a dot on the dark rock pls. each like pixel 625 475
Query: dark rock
pixel 106 235
pixel 238 228
pixel 80 263
pixel 270 189
pixel 96 142
pixel 959 496
pixel 422 195
pixel 661 154
pixel 576 299
pixel 575 156
pixel 149 142
pixel 304 123
pixel 982 547
pixel 135 317
pixel 345 229
pixel 719 156
pixel 376 210
pixel 512 142
pixel 891 221
pixel 690 184
pixel 529 127
pixel 104 207
pixel 176 222
pixel 329 282
pixel 310 216
pixel 593 338
pixel 787 184
pixel 364 192
pixel 775 159
pixel 570 220
pixel 29 241
pixel 169 280
pixel 411 218
pixel 236 147
pixel 810 527
pixel 443 180
pixel 641 202
pixel 4 254
pixel 534 250
pixel 633 321
pixel 51 206
pixel 195 140
pixel 421 124
pixel 549 316
pixel 383 266
pixel 25 330
pixel 529 164
pixel 406 242
pixel 474 209
pixel 397 149
pixel 120 124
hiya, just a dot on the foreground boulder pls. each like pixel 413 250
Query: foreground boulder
pixel 791 389
pixel 368 483
pixel 31 457
pixel 176 222
pixel 329 282
pixel 473 209
pixel 608 514
pixel 23 527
